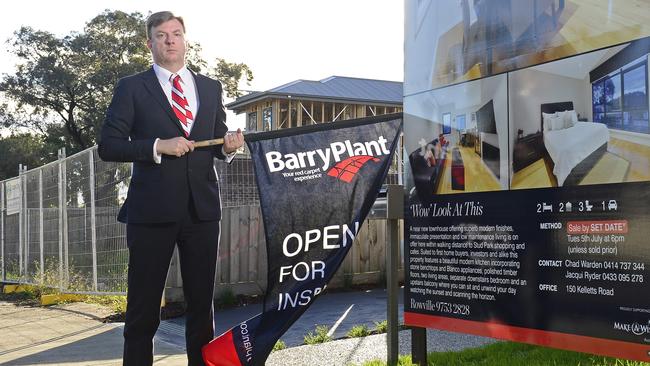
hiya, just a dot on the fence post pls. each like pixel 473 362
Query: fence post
pixel 27 236
pixel 93 230
pixel 61 190
pixel 21 224
pixel 64 228
pixel 394 212
pixel 2 230
pixel 41 237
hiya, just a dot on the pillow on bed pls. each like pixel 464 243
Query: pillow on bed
pixel 548 115
pixel 570 118
pixel 557 123
pixel 573 119
pixel 547 120
pixel 562 115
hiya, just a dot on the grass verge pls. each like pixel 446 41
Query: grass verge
pixel 514 354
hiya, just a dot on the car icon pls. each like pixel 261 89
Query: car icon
pixel 611 205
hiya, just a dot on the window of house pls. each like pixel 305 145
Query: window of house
pixel 318 112
pixel 328 112
pixel 251 124
pixel 460 122
pixel 305 107
pixel 635 99
pixel 267 118
pixel 446 123
pixel 620 100
pixel 284 114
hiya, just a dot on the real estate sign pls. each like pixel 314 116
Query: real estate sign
pixel 527 139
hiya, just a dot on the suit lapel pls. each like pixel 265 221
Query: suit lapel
pixel 203 95
pixel 153 86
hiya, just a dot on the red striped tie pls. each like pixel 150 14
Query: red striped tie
pixel 180 105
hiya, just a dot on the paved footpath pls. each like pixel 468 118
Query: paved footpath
pixel 73 334
pixel 70 334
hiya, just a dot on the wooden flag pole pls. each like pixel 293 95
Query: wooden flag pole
pixel 206 143
pixel 219 141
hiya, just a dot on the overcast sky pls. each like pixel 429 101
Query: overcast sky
pixel 280 40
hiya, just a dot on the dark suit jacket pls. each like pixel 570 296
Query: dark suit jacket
pixel 138 114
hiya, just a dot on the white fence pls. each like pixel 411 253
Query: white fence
pixel 58 228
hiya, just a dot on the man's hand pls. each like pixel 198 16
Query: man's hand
pixel 178 146
pixel 233 141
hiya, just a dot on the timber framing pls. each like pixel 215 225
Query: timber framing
pixel 303 102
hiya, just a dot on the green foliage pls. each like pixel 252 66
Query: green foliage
pixel 231 74
pixel 320 336
pixel 358 331
pixel 68 82
pixel 48 282
pixel 279 345
pixel 62 85
pixel 515 354
pixel 226 298
pixel 401 361
pixel 22 148
pixel 381 327
pixel 116 303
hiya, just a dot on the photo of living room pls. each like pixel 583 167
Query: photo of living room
pixel 473 38
pixel 458 138
pixel 581 120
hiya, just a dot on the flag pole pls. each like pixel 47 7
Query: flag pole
pixel 206 143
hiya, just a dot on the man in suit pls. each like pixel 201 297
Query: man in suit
pixel 173 199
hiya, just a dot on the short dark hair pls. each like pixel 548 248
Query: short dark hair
pixel 159 18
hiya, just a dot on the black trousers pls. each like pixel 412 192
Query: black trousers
pixel 151 247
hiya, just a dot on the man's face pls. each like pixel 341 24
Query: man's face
pixel 167 44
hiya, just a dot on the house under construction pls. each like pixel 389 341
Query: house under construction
pixel 306 102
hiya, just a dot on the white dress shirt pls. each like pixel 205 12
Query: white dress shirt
pixel 187 83
pixel 189 90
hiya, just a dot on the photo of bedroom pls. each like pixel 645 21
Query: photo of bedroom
pixel 581 120
pixel 476 38
pixel 458 139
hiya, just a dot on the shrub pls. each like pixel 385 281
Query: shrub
pixel 381 327
pixel 320 336
pixel 358 331
pixel 226 298
pixel 279 345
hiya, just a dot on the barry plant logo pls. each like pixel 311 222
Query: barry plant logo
pixel 348 168
pixel 341 160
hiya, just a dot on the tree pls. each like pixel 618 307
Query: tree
pixel 65 84
pixel 24 148
pixel 62 86
pixel 231 74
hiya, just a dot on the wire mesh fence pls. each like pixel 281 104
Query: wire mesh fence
pixel 59 228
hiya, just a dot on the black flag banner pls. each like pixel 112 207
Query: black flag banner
pixel 316 185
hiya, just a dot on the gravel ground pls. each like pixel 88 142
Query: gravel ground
pixel 355 351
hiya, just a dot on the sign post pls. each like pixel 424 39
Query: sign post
pixel 395 212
